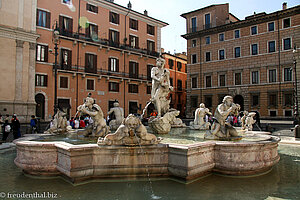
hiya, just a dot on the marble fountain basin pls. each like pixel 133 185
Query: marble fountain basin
pixel 253 155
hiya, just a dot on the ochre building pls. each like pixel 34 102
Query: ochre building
pixel 250 59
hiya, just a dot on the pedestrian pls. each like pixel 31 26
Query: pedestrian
pixel 76 123
pixel 1 123
pixel 33 123
pixel 6 130
pixel 72 122
pixel 86 120
pixel 81 123
pixel 15 126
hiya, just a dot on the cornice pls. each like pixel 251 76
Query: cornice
pixel 18 34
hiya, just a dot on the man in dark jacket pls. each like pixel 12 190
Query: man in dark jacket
pixel 15 127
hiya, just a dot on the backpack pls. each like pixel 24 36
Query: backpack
pixel 7 128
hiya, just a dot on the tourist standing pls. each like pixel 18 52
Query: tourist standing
pixel 33 123
pixel 15 127
pixel 6 130
pixel 76 123
pixel 81 123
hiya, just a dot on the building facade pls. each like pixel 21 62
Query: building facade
pixel 250 59
pixel 107 53
pixel 176 64
pixel 17 57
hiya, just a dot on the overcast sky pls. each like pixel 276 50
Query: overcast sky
pixel 170 10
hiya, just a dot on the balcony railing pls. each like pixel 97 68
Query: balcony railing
pixel 107 42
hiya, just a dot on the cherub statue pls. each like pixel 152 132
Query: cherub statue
pixel 250 121
pixel 98 127
pixel 59 123
pixel 199 122
pixel 131 132
pixel 221 128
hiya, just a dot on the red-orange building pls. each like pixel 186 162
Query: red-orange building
pixel 177 66
pixel 108 53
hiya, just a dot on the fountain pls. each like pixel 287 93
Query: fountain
pixel 132 151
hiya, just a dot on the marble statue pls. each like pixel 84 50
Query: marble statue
pixel 162 125
pixel 199 122
pixel 243 119
pixel 119 115
pixel 131 132
pixel 98 128
pixel 160 87
pixel 177 123
pixel 221 129
pixel 59 123
pixel 249 121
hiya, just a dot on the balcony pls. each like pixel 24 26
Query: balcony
pixel 103 41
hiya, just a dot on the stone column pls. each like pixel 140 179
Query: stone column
pixel 31 73
pixel 19 70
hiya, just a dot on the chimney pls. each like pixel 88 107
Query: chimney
pixel 284 6
pixel 146 12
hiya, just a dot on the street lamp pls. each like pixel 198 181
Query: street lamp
pixel 56 41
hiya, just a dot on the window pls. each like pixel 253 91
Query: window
pixel 179 66
pixel 237 52
pixel 66 59
pixel 92 31
pixel 272 99
pixel 150 45
pixel 67 2
pixel 237 34
pixel 271 46
pixel 149 68
pixel 194 24
pixel 63 82
pixel 113 87
pixel 133 88
pixel 287 23
pixel 254 99
pixel 114 18
pixel 221 54
pixel 222 80
pixel 171 63
pixel 287 44
pixel 288 74
pixel 66 25
pixel 208 81
pixel 194 82
pixel 272 75
pixel 288 99
pixel 133 24
pixel 207 21
pixel 149 88
pixel 207 40
pixel 41 80
pixel 179 85
pixel 194 101
pixel 254 77
pixel 194 43
pixel 208 101
pixel 113 64
pixel 253 30
pixel 133 69
pixel 288 113
pixel 114 37
pixel 91 8
pixel 150 29
pixel 271 26
pixel 43 18
pixel 207 56
pixel 90 84
pixel 238 79
pixel 90 63
pixel 221 37
pixel 41 53
pixel 194 58
pixel 134 41
pixel 171 81
pixel 254 49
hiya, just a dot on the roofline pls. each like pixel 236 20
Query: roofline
pixel 125 9
pixel 184 14
pixel 246 22
pixel 173 56
pixel 234 16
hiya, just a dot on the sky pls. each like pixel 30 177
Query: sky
pixel 169 11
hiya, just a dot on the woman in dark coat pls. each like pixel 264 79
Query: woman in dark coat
pixel 15 126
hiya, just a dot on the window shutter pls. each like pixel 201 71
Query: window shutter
pixel 117 87
pixel 95 64
pixel 87 6
pixel 61 23
pixel 96 31
pixel 48 20
pixel 96 10
pixel 46 80
pixel 137 25
pixel 118 18
pixel 110 16
pixel 71 26
pixel 70 59
pixel 86 60
pixel 137 43
pixel 117 65
pixel 110 35
pixel 37 16
pixel 87 31
pixel 46 53
pixel 137 70
pixel 109 64
pixel 109 86
pixel 118 36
